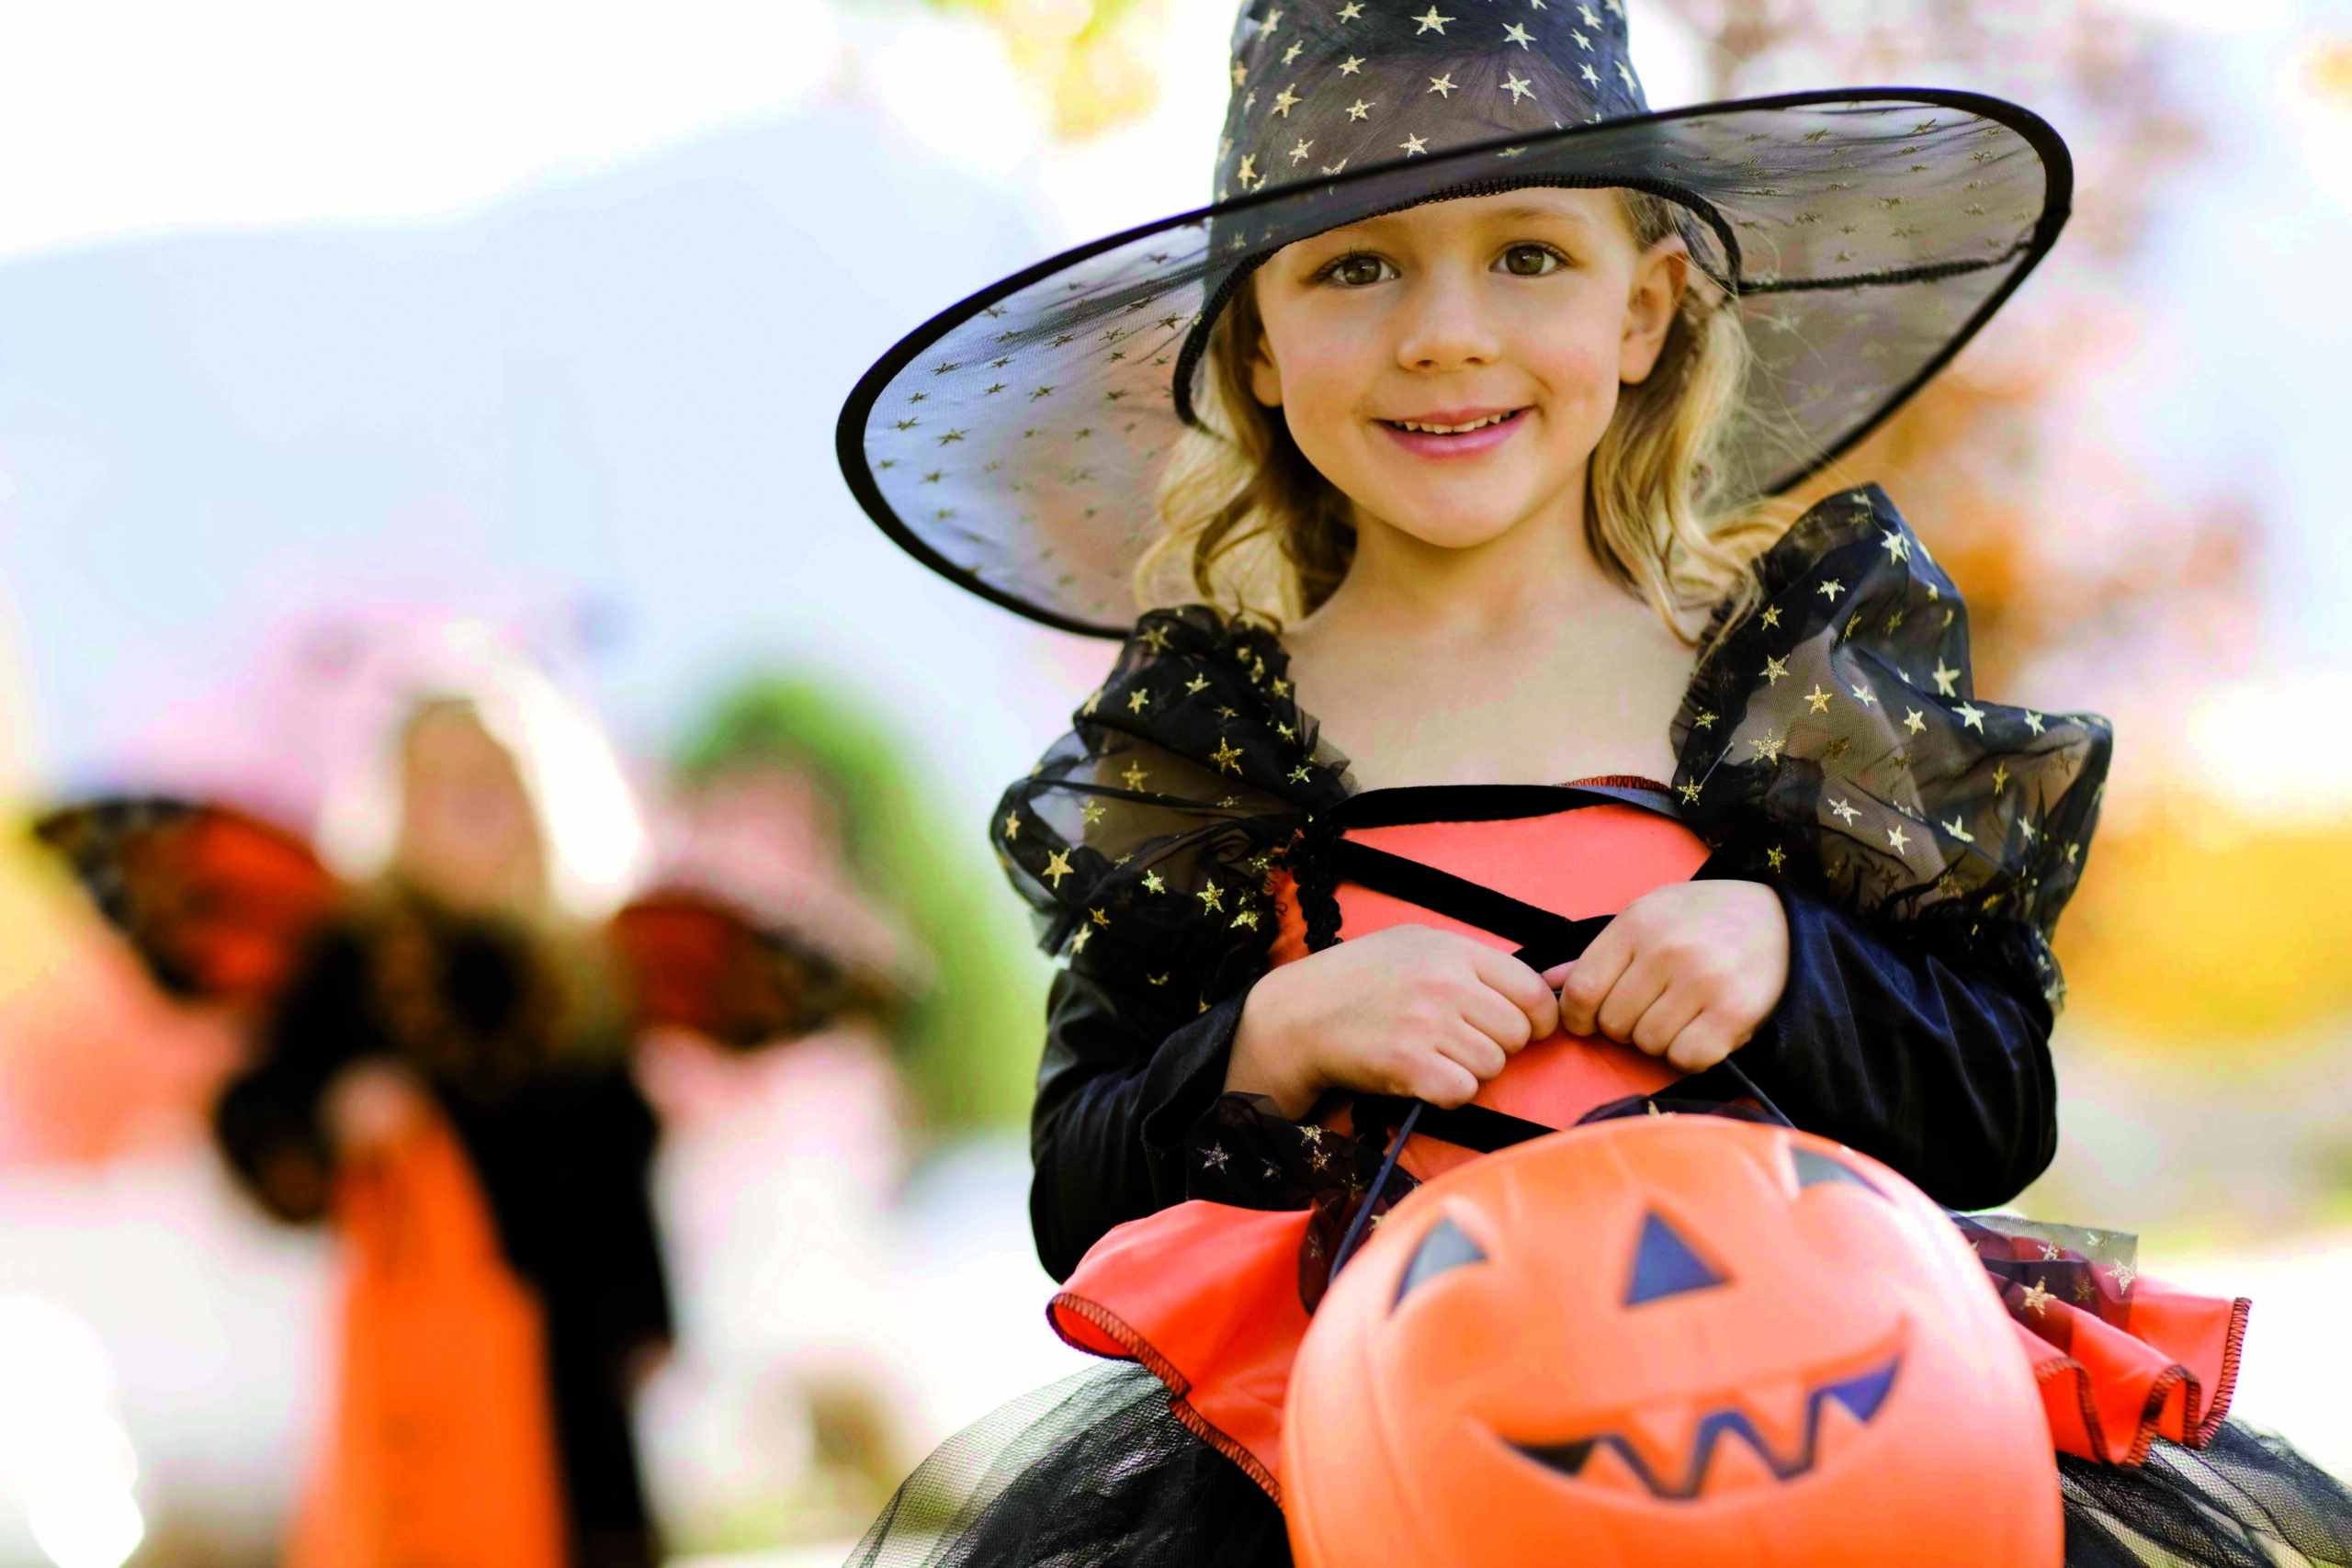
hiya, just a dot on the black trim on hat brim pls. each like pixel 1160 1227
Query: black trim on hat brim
pixel 849 429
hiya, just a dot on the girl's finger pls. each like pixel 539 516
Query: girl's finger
pixel 1665 1020
pixel 1587 982
pixel 1704 1041
pixel 1521 986
pixel 1476 1052
pixel 1643 982
pixel 1495 1017
pixel 1443 1082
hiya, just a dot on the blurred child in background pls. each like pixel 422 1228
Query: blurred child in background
pixel 443 1042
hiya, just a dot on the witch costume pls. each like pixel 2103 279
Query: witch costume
pixel 1195 828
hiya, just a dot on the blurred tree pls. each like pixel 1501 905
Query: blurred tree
pixel 970 1040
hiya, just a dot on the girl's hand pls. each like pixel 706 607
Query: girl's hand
pixel 369 1106
pixel 1686 971
pixel 1408 1010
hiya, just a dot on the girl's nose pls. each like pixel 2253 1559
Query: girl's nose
pixel 1447 326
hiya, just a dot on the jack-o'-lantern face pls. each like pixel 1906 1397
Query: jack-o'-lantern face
pixel 1660 1341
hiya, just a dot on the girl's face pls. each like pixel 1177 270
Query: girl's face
pixel 1450 367
pixel 469 834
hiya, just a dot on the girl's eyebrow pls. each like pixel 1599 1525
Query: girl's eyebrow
pixel 1525 212
pixel 1533 214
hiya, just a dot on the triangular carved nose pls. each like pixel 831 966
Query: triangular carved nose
pixel 1666 1265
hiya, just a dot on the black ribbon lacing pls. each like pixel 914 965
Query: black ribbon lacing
pixel 1322 857
pixel 1725 1078
pixel 1315 872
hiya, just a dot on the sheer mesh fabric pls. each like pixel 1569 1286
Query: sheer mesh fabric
pixel 1835 736
pixel 1832 738
pixel 1094 1470
pixel 1150 832
pixel 2246 1500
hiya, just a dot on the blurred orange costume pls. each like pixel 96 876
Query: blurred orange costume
pixel 440 1448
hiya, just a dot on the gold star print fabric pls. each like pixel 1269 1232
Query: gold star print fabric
pixel 1963 818
pixel 1840 748
pixel 1154 827
pixel 1016 443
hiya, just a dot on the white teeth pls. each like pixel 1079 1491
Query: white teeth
pixel 1451 428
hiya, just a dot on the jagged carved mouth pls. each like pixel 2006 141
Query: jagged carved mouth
pixel 1861 1395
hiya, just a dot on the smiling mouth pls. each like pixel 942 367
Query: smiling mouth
pixel 1426 427
pixel 1861 1395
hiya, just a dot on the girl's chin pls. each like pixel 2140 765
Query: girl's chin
pixel 1450 528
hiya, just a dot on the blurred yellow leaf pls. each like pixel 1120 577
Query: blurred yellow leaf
pixel 2327 70
pixel 2207 931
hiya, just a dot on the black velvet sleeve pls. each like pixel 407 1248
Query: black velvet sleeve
pixel 267 1120
pixel 1125 1075
pixel 1940 1070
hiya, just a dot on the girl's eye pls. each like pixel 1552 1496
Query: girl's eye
pixel 1354 272
pixel 1530 261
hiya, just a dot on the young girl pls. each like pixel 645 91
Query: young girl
pixel 439 1065
pixel 447 1050
pixel 1461 409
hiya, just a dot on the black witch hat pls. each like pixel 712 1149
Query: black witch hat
pixel 1014 443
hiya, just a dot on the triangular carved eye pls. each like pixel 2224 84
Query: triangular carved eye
pixel 1666 1265
pixel 1815 1167
pixel 1447 1246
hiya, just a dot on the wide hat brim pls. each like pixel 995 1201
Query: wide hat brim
pixel 1014 443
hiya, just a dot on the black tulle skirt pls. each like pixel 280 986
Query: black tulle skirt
pixel 1095 1470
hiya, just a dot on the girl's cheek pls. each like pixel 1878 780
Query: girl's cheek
pixel 1583 375
pixel 1580 361
pixel 1326 392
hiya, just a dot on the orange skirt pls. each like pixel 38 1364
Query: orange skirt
pixel 440 1448
pixel 1207 1296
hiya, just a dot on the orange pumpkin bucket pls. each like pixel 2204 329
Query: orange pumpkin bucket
pixel 1664 1341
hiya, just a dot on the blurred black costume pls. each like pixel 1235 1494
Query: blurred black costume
pixel 552 1122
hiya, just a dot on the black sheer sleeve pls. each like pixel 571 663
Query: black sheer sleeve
pixel 1923 844
pixel 1833 738
pixel 1145 837
pixel 267 1120
pixel 1145 841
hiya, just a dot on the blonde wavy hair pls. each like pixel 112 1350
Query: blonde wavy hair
pixel 1259 531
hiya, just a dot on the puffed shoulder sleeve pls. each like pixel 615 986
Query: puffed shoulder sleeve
pixel 1145 838
pixel 1833 738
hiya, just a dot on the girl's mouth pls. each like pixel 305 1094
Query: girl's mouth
pixel 1459 435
